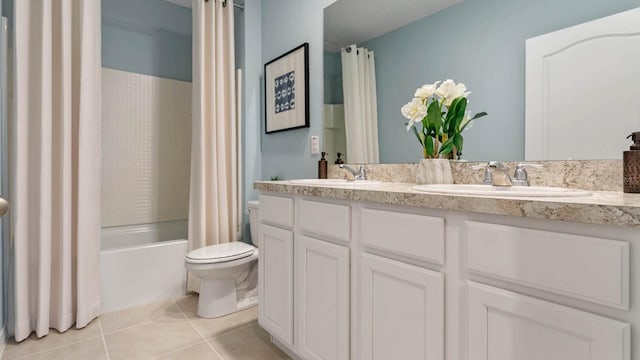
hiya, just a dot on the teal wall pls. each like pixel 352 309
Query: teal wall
pixel 151 37
pixel 287 24
pixel 252 101
pixel 333 93
pixel 480 43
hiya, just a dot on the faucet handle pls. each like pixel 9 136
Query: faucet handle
pixel 520 176
pixel 525 166
pixel 486 175
pixel 364 171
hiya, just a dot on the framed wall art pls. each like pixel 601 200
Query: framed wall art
pixel 286 80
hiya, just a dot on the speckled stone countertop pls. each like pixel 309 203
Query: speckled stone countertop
pixel 603 207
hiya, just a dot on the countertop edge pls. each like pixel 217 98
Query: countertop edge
pixel 602 208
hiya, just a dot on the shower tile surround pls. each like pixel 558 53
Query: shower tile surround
pixel 162 330
pixel 146 141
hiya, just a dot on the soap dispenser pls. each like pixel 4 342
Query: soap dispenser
pixel 322 167
pixel 631 165
pixel 339 159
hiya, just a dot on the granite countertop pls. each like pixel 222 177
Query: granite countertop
pixel 603 207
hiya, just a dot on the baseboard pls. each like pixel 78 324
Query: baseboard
pixel 3 340
pixel 284 348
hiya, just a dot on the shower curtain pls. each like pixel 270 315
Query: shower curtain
pixel 55 187
pixel 213 195
pixel 360 104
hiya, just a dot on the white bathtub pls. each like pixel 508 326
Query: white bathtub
pixel 142 263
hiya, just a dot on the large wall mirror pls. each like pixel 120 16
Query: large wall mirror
pixel 483 43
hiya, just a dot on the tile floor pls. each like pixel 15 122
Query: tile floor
pixel 164 330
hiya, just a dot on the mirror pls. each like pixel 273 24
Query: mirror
pixel 481 43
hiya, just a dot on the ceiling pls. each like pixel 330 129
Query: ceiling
pixel 348 22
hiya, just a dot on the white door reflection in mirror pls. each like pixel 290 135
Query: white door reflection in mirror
pixel 580 79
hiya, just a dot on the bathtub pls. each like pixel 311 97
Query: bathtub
pixel 140 264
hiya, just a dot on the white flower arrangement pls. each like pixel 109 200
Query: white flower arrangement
pixel 441 109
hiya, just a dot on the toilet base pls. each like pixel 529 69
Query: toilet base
pixel 218 298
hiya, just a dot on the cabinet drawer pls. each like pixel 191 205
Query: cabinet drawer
pixel 581 267
pixel 276 210
pixel 325 219
pixel 416 236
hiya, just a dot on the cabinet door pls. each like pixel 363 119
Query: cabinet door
pixel 504 326
pixel 275 282
pixel 323 304
pixel 402 313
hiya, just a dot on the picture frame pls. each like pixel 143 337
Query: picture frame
pixel 286 88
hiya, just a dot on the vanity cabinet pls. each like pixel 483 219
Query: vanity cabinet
pixel 323 299
pixel 304 276
pixel 504 325
pixel 275 267
pixel 402 311
pixel 275 282
pixel 361 280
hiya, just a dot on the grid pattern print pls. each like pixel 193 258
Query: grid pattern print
pixel 285 86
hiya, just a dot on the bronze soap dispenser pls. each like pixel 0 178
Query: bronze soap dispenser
pixel 631 165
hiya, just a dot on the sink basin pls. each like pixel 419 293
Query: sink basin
pixel 501 191
pixel 334 182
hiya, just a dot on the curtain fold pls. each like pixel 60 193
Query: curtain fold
pixel 213 195
pixel 360 104
pixel 55 187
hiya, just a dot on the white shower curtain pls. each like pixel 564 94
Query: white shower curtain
pixel 56 165
pixel 360 104
pixel 213 199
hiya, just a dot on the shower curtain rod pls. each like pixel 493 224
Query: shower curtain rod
pixel 224 3
pixel 335 43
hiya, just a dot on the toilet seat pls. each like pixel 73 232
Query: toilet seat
pixel 220 253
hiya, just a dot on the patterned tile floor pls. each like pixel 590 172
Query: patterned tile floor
pixel 164 330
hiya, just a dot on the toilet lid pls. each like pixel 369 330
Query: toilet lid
pixel 220 252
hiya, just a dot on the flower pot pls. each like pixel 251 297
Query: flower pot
pixel 434 171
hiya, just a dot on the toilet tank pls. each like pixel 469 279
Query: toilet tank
pixel 253 221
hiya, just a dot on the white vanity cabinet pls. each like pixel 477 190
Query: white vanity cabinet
pixel 361 280
pixel 402 311
pixel 504 325
pixel 577 268
pixel 304 276
pixel 275 267
pixel 322 307
pixel 400 305
pixel 322 262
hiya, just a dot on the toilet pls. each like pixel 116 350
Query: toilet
pixel 222 270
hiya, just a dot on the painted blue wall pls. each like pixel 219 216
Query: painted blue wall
pixel 151 37
pixel 252 100
pixel 333 93
pixel 481 43
pixel 287 24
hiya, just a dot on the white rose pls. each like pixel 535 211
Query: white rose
pixel 426 90
pixel 462 90
pixel 449 90
pixel 414 111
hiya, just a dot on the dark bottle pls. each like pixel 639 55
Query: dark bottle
pixel 322 167
pixel 339 160
pixel 631 165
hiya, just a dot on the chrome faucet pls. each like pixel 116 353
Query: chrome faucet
pixel 360 174
pixel 499 174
